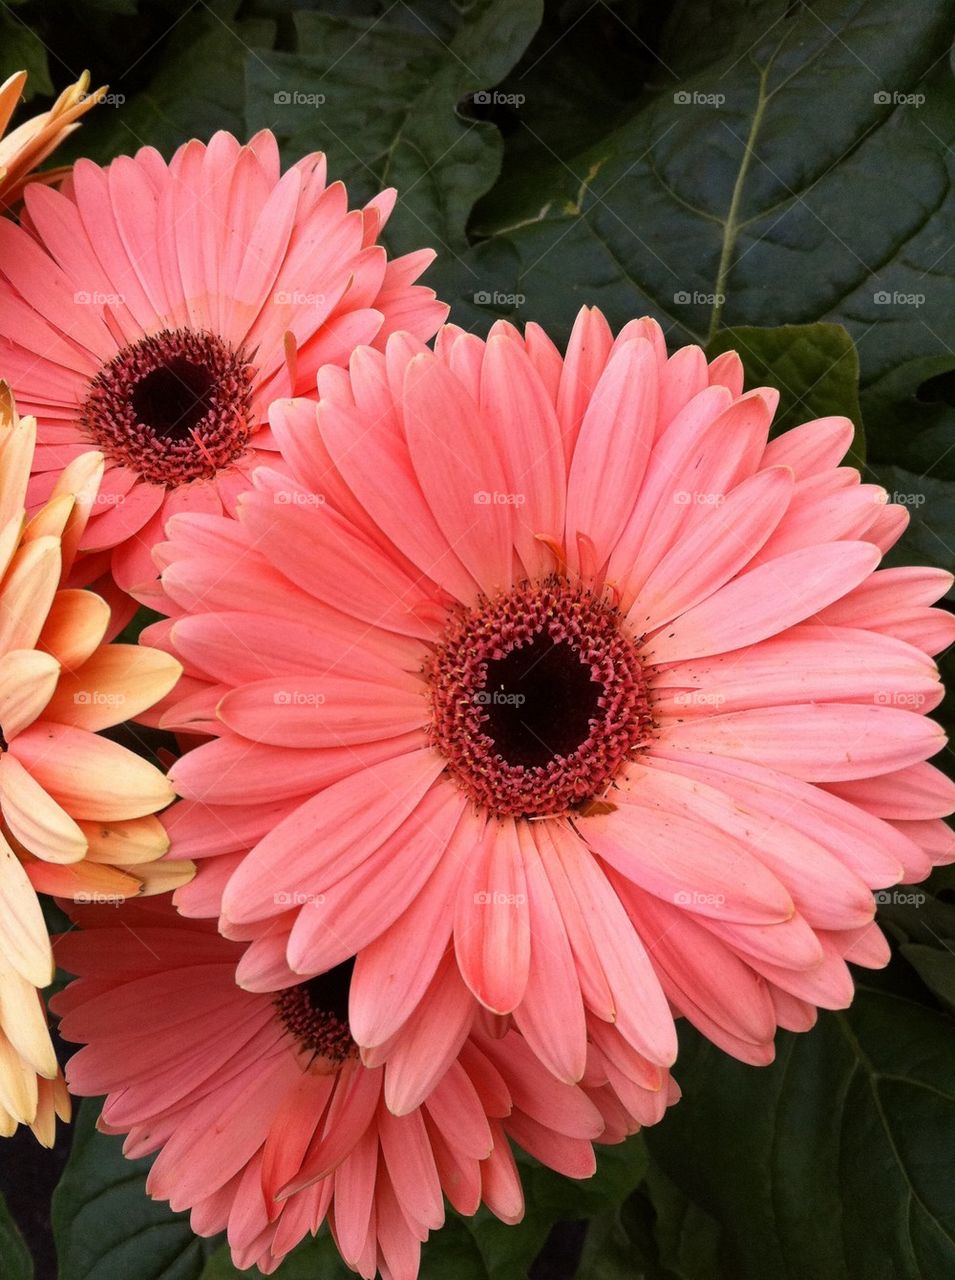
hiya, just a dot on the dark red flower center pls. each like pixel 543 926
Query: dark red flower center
pixel 538 697
pixel 316 1013
pixel 174 406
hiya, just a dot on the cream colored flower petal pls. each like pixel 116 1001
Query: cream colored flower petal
pixel 53 1101
pixel 8 1126
pixel 80 480
pixel 23 1020
pixel 75 627
pixel 89 776
pixel 23 936
pixel 162 877
pixel 10 93
pixel 9 541
pixel 27 146
pixel 115 684
pixel 27 592
pixel 34 817
pixel 83 881
pixel 125 844
pixel 17 441
pixel 50 520
pixel 27 683
pixel 19 1093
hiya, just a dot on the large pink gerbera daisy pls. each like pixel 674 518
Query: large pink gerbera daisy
pixel 265 1120
pixel 562 663
pixel 152 311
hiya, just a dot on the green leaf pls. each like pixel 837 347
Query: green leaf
pixel 549 1199
pixel 195 89
pixel 125 7
pixel 673 1238
pixel 21 49
pixel 930 536
pixel 837 1162
pixel 448 1252
pixel 609 1252
pixel 918 912
pixel 936 968
pixel 313 1258
pixel 815 367
pixel 753 192
pixel 383 102
pixel 105 1225
pixel 142 618
pixel 580 79
pixel 17 1263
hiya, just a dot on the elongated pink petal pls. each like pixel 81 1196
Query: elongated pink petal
pixel 828 742
pixel 807 663
pixel 460 471
pixel 551 1014
pixel 765 600
pixel 641 1013
pixel 393 971
pixel 613 447
pixel 521 416
pixel 323 711
pixel 719 546
pixel 329 835
pixel 491 920
pixel 676 853
pixel 338 918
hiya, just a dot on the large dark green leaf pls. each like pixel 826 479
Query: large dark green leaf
pixel 482 1247
pixel 15 1260
pixel 753 192
pixel 382 100
pixel 549 1199
pixel 104 1224
pixel 936 968
pixel 448 1252
pixel 815 368
pixel 657 1234
pixel 930 536
pixel 195 88
pixel 836 1163
pixel 21 49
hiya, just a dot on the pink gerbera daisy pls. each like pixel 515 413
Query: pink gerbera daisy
pixel 153 311
pixel 266 1121
pixel 562 663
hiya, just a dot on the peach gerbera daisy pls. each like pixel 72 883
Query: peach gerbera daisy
pixel 76 810
pixel 28 145
pixel 586 601
pixel 153 311
pixel 266 1121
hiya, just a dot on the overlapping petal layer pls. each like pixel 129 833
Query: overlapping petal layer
pixel 153 311
pixel 563 668
pixel 24 148
pixel 77 811
pixel 267 1123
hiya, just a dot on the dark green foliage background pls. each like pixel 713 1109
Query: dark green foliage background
pixel 773 175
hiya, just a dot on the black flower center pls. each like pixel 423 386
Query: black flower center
pixel 173 399
pixel 538 698
pixel 316 1013
pixel 174 406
